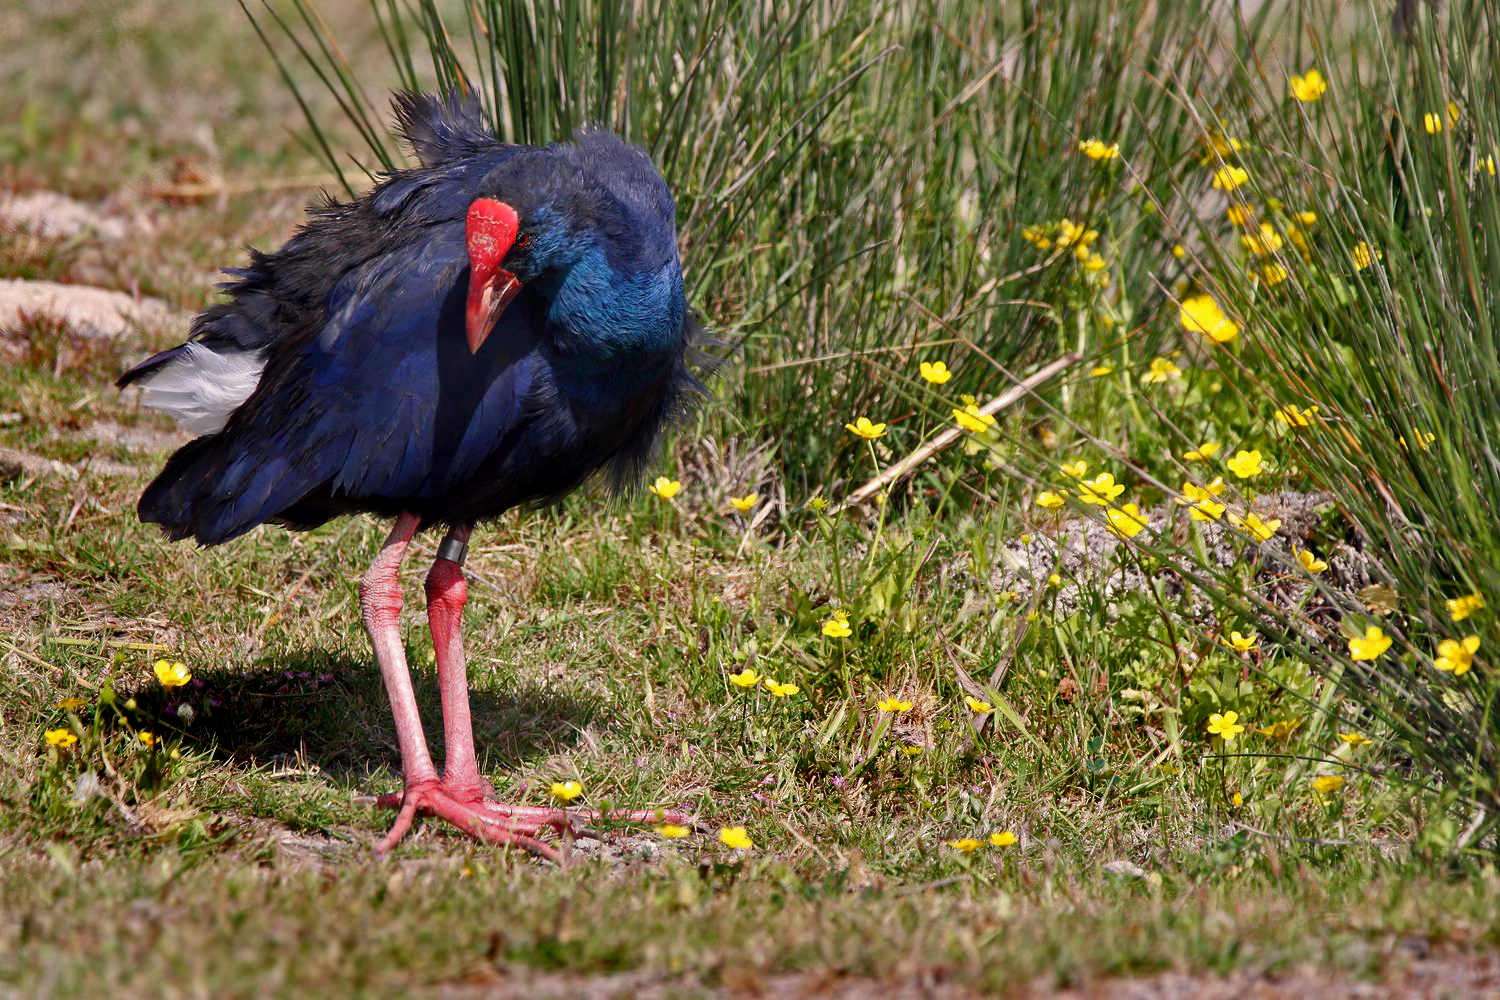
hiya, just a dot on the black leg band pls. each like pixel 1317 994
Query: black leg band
pixel 453 550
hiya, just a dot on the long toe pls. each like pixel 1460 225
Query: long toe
pixel 473 818
pixel 504 823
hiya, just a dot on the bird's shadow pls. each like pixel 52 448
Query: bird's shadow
pixel 315 708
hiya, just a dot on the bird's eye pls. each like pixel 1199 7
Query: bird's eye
pixel 523 242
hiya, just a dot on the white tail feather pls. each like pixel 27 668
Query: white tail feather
pixel 202 387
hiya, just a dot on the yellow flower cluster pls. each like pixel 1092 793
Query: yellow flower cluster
pixel 1201 314
pixel 1098 149
pixel 968 845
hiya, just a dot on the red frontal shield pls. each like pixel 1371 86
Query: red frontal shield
pixel 489 233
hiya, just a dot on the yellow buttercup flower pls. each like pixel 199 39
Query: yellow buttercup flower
pixel 744 503
pixel 1192 492
pixel 1202 453
pixel 1072 235
pixel 1201 314
pixel 1206 509
pixel 893 704
pixel 147 737
pixel 1097 149
pixel 779 690
pixel 1239 214
pixel 746 678
pixel 978 707
pixel 1037 237
pixel 1460 608
pixel 1369 646
pixel 1241 642
pixel 1456 655
pixel 1125 521
pixel 566 791
pixel 1219 146
pixel 1101 490
pixel 1274 274
pixel 665 488
pixel 1309 562
pixel 1260 530
pixel 1229 177
pixel 70 704
pixel 1263 243
pixel 1179 251
pixel 1245 464
pixel 1002 838
pixel 672 831
pixel 1309 87
pixel 1354 739
pixel 910 750
pixel 966 844
pixel 736 837
pixel 836 625
pixel 1160 371
pixel 1327 784
pixel 1306 218
pixel 1227 726
pixel 1291 416
pixel 1050 500
pixel 935 372
pixel 1099 371
pixel 1364 255
pixel 1075 469
pixel 865 429
pixel 1433 122
pixel 172 674
pixel 972 419
pixel 63 738
pixel 1281 729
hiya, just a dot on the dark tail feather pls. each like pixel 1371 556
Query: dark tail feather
pixel 150 365
pixel 191 499
pixel 169 500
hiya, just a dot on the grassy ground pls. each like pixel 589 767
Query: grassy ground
pixel 225 855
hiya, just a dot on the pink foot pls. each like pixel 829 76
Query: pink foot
pixel 497 822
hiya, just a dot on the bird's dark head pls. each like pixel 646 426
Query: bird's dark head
pixel 578 222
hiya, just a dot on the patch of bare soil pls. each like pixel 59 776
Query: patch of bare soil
pixel 89 312
pixel 1083 553
pixel 55 216
pixel 1430 977
pixel 1426 977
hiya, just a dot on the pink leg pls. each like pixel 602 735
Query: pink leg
pixel 446 593
pixel 463 797
pixel 380 605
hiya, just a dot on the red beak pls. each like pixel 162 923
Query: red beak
pixel 489 232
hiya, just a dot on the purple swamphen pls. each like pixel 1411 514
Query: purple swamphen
pixel 490 329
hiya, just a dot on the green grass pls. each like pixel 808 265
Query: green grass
pixel 847 208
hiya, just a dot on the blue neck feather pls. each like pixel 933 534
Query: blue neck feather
pixel 606 321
